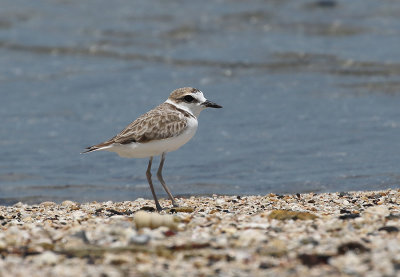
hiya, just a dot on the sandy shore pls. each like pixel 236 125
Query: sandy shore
pixel 329 234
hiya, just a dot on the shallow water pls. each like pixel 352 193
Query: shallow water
pixel 310 89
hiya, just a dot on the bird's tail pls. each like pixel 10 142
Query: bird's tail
pixel 96 147
pixel 89 149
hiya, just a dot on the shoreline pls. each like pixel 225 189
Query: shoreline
pixel 309 234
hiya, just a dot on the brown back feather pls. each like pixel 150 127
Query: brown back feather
pixel 162 122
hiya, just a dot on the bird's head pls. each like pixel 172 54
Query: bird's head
pixel 191 99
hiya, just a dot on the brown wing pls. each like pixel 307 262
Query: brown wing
pixel 160 123
pixel 153 125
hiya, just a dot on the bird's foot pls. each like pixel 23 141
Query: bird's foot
pixel 158 207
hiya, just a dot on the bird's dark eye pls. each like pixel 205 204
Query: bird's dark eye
pixel 188 98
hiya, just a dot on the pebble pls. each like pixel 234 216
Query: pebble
pixel 389 229
pixel 47 258
pixel 47 204
pixel 327 234
pixel 139 239
pixel 71 204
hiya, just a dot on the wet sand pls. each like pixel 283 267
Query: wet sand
pixel 328 234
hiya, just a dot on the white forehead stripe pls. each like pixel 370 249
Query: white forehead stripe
pixel 200 97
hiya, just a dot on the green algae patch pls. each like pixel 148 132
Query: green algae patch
pixel 285 215
pixel 180 210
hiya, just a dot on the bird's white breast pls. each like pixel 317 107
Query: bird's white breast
pixel 155 147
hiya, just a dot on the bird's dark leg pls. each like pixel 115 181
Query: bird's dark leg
pixel 148 175
pixel 160 178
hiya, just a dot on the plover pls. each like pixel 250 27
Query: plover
pixel 161 130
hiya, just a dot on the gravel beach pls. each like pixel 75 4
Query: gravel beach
pixel 328 234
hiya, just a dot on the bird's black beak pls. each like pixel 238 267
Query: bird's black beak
pixel 210 104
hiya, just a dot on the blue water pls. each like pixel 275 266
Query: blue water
pixel 310 89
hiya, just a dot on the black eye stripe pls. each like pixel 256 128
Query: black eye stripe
pixel 189 99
